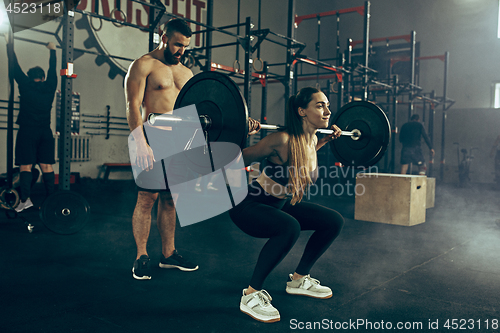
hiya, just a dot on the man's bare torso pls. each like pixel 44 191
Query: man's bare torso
pixel 162 86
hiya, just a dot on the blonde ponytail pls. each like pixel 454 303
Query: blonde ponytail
pixel 299 174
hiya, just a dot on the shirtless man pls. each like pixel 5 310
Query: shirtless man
pixel 152 83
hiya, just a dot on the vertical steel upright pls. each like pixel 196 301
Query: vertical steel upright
pixel 388 95
pixel 289 53
pixel 248 58
pixel 424 109
pixel 366 49
pixel 348 76
pixel 237 57
pixel 337 49
pixel 263 112
pixel 394 122
pixel 66 99
pixel 432 115
pixel 208 36
pixel 340 83
pixel 318 48
pixel 152 43
pixel 412 72
pixel 443 125
pixel 10 112
pixel 153 15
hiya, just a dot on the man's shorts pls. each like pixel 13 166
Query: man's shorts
pixel 412 155
pixel 155 178
pixel 176 164
pixel 172 164
pixel 34 145
pixel 158 177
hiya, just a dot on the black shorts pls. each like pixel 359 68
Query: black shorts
pixel 151 177
pixel 177 169
pixel 155 179
pixel 175 166
pixel 34 146
pixel 412 155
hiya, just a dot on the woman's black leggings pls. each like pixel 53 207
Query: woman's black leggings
pixel 263 216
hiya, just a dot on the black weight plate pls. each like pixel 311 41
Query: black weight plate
pixel 9 198
pixel 219 98
pixel 65 212
pixel 375 130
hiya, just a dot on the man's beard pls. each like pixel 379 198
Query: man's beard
pixel 169 57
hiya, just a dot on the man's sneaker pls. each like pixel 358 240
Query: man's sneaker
pixel 177 261
pixel 24 205
pixel 141 270
pixel 258 306
pixel 307 286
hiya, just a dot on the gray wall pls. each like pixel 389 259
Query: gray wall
pixel 466 29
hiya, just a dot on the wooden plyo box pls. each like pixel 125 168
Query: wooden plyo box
pixel 390 198
pixel 431 192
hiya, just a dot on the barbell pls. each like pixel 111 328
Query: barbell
pixel 355 134
pixel 223 116
pixel 159 119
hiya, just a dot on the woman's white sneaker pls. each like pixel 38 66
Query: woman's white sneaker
pixel 307 286
pixel 258 306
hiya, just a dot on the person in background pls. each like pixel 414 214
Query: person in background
pixel 410 136
pixel 35 142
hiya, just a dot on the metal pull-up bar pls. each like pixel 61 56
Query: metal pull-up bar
pixel 323 65
pixel 298 19
pixel 383 39
pixel 441 57
pixel 209 28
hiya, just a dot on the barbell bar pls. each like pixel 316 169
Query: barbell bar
pixel 205 121
pixel 355 134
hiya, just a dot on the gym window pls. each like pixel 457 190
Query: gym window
pixel 496 95
pixel 4 20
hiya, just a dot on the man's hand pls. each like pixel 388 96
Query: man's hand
pixel 6 35
pixel 253 126
pixel 433 152
pixel 50 46
pixel 145 157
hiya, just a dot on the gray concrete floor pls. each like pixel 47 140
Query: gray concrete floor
pixel 423 276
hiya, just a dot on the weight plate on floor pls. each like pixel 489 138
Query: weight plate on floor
pixel 9 198
pixel 65 212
